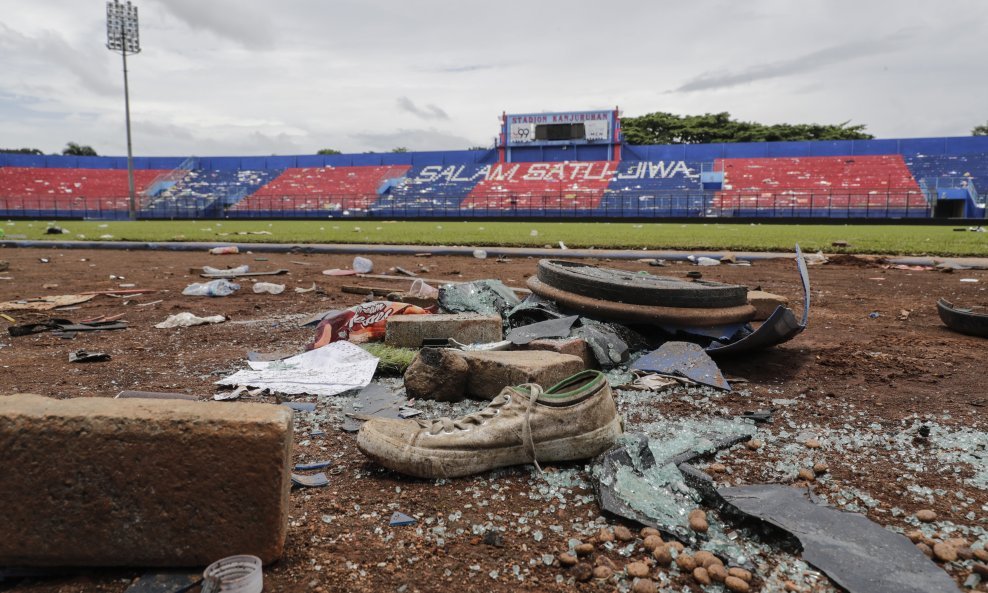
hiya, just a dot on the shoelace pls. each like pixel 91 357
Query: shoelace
pixel 477 418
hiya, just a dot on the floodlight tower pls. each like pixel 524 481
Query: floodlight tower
pixel 122 36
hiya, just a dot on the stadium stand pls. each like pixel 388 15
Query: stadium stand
pixel 321 189
pixel 654 188
pixel 432 189
pixel 548 188
pixel 206 192
pixel 36 191
pixel 819 186
pixel 950 170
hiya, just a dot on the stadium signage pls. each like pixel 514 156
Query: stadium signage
pixel 579 171
pixel 560 118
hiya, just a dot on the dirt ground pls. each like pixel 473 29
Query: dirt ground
pixel 861 384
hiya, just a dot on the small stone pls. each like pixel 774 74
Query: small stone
pixel 981 569
pixel 740 573
pixel 643 586
pixel 701 576
pixel 698 521
pixel 925 549
pixel 944 552
pixel 915 536
pixel 623 534
pixel 958 542
pixel 716 468
pixel 812 444
pixel 637 569
pixel 678 546
pixel 792 587
pixel 965 553
pixel 702 557
pixel 685 562
pixel 583 549
pixel 662 555
pixel 582 572
pixel 735 584
pixel 717 572
pixel 647 531
pixel 926 516
pixel 981 555
pixel 602 572
pixel 567 559
pixel 807 475
pixel 820 468
pixel 651 542
pixel 753 444
pixel 605 535
pixel 605 561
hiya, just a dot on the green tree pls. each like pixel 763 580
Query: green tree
pixel 329 151
pixel 21 150
pixel 73 149
pixel 399 149
pixel 980 130
pixel 669 128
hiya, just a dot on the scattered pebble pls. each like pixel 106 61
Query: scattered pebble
pixel 583 549
pixel 685 562
pixel 717 468
pixel 812 444
pixel 698 521
pixel 582 572
pixel 792 587
pixel 647 531
pixel 701 576
pixel 737 585
pixel 717 572
pixel 753 444
pixel 644 586
pixel 821 468
pixel 602 572
pixel 662 555
pixel 925 549
pixel 637 569
pixel 805 474
pixel 926 516
pixel 623 534
pixel 605 535
pixel 944 552
pixel 915 536
pixel 740 573
pixel 981 555
pixel 981 569
pixel 652 541
pixel 567 559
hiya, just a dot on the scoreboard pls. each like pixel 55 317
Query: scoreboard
pixel 559 128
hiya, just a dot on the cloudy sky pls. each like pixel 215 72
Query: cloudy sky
pixel 247 77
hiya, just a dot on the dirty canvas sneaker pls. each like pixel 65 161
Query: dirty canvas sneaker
pixel 575 419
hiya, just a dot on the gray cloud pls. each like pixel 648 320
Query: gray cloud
pixel 236 21
pixel 429 112
pixel 803 64
pixel 50 49
pixel 430 139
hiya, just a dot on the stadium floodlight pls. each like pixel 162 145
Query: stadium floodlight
pixel 123 37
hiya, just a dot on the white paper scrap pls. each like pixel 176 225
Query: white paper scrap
pixel 332 369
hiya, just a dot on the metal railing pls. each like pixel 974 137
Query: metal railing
pixel 561 204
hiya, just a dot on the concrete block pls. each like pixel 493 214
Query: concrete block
pixel 765 303
pixel 490 372
pixel 572 346
pixel 141 482
pixel 437 373
pixel 408 331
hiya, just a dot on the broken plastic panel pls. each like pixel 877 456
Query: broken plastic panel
pixel 781 326
pixel 374 400
pixel 855 552
pixel 313 481
pixel 486 297
pixel 400 519
pixel 551 328
pixel 686 360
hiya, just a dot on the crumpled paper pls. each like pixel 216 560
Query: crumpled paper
pixel 329 370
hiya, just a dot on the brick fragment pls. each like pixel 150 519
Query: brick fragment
pixel 141 482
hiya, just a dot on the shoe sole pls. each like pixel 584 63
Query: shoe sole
pixel 422 462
